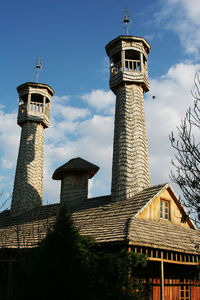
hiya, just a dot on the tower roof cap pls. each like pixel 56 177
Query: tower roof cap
pixel 76 166
pixel 36 85
pixel 132 38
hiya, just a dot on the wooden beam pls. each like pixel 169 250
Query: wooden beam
pixel 162 279
pixel 173 261
pixel 151 253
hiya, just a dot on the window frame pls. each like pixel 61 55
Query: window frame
pixel 184 290
pixel 164 204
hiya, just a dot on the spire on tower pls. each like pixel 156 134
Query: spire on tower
pixel 38 67
pixel 126 21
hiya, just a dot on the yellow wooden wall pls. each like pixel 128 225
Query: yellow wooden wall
pixel 152 211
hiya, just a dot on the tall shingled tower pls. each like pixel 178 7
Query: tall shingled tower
pixel 129 82
pixel 33 117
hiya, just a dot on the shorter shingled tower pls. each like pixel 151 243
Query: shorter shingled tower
pixel 74 177
pixel 129 82
pixel 33 117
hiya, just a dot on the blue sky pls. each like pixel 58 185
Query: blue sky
pixel 71 36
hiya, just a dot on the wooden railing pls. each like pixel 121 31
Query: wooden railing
pixel 35 107
pixel 167 255
pixel 132 65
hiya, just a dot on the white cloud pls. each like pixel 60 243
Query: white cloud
pixel 9 144
pixel 65 120
pixel 9 139
pixel 183 75
pixel 68 112
pixel 182 17
pixel 90 138
pixel 101 100
pixel 99 128
pixel 191 8
pixel 173 97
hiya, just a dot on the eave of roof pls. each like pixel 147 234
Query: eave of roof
pixel 127 38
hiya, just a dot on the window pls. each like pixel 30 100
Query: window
pixel 184 290
pixel 164 209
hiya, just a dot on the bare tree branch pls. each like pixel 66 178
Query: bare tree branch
pixel 186 161
pixel 2 201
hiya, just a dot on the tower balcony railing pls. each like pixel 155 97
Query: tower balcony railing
pixel 35 108
pixel 132 65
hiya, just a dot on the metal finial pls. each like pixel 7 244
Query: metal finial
pixel 126 22
pixel 38 67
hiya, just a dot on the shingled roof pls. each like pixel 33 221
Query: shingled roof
pixel 105 221
pixel 164 235
pixel 75 166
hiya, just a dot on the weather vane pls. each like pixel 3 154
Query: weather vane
pixel 126 22
pixel 38 67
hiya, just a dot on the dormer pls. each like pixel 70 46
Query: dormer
pixel 166 207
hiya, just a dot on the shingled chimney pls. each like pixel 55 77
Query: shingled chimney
pixel 129 82
pixel 74 177
pixel 33 117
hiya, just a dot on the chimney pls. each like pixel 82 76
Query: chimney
pixel 129 82
pixel 74 177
